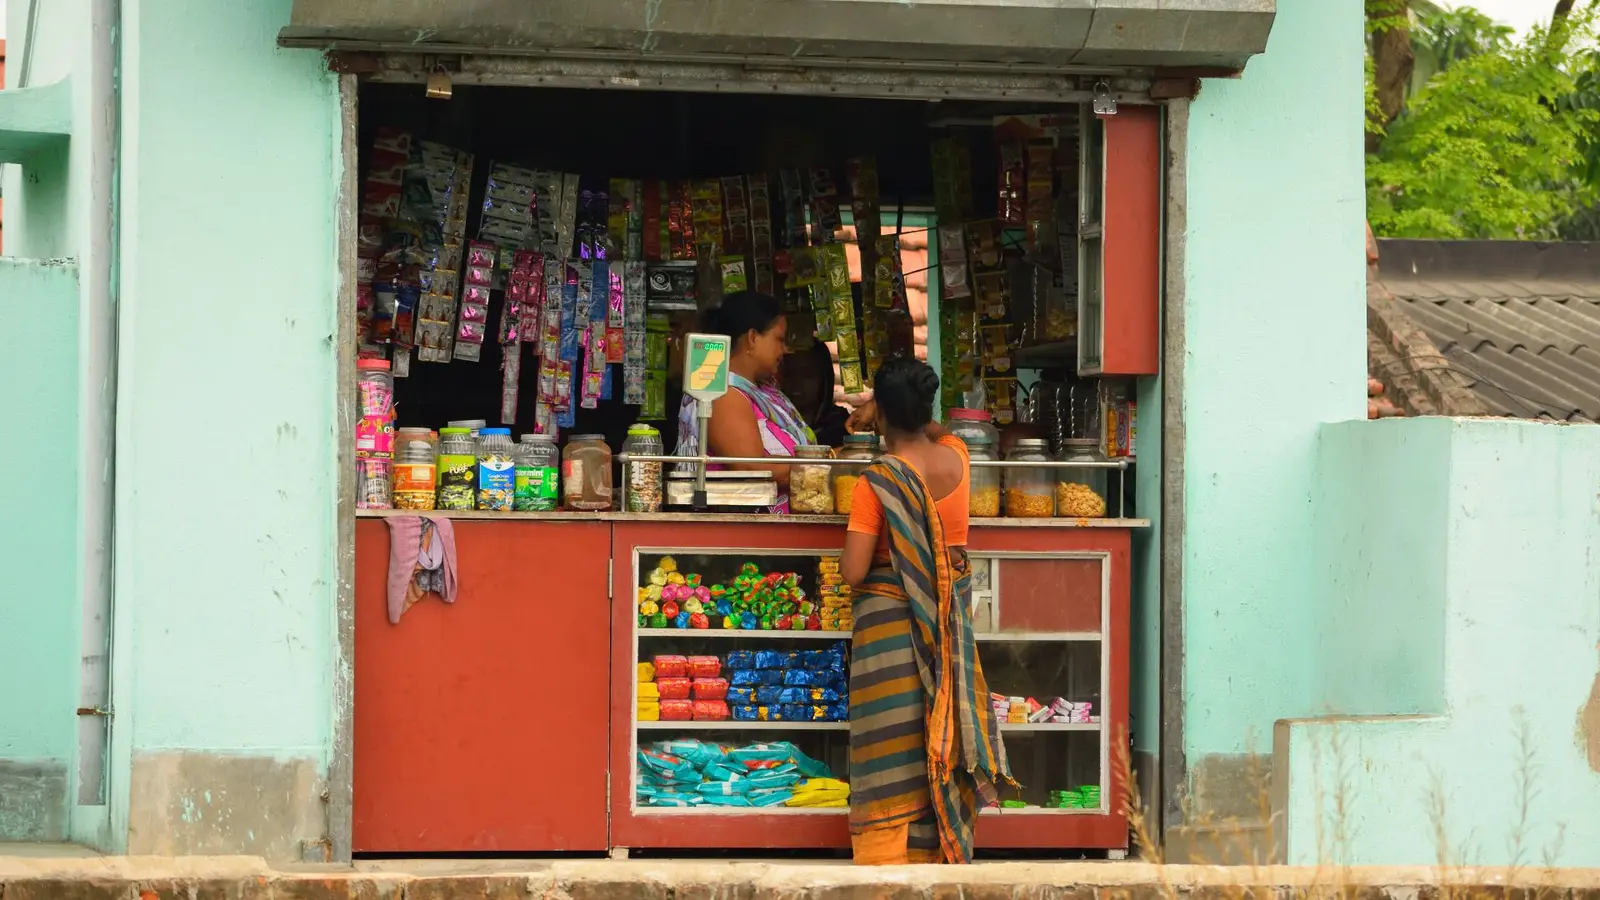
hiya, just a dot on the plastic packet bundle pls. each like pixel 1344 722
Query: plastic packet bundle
pixel 710 689
pixel 769 659
pixel 741 659
pixel 677 710
pixel 673 687
pixel 705 667
pixel 710 710
pixel 671 666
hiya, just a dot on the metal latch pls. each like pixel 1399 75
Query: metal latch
pixel 1104 103
pixel 94 711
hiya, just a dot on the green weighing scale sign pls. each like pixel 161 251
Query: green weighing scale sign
pixel 705 366
pixel 705 378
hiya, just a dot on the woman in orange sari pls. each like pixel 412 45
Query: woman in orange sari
pixel 925 749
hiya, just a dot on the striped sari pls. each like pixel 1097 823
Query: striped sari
pixel 925 750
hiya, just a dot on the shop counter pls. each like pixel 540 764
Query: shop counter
pixel 495 724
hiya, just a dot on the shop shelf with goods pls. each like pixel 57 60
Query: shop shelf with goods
pixel 1051 629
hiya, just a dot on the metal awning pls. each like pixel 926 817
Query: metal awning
pixel 1054 34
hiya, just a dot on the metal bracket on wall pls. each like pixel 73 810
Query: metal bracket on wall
pixel 95 711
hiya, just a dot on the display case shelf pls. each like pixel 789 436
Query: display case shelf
pixel 1001 637
pixel 1049 726
pixel 733 725
pixel 744 633
pixel 1052 614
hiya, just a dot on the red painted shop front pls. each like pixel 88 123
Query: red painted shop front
pixel 505 722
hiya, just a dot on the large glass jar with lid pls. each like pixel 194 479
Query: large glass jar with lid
pixel 1081 492
pixel 984 501
pixel 644 479
pixel 457 469
pixel 970 424
pixel 1030 492
pixel 538 464
pixel 864 449
pixel 811 485
pixel 586 473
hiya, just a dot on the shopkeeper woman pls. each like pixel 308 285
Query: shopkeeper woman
pixel 754 418
pixel 925 749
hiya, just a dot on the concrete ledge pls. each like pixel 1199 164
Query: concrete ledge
pixel 246 878
pixel 34 119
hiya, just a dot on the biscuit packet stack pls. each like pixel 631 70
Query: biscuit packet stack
pixel 649 695
pixel 834 596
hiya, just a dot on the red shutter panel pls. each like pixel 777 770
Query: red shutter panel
pixel 1131 328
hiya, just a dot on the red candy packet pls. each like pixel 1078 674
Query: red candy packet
pixel 677 710
pixel 676 688
pixel 705 666
pixel 705 710
pixel 671 666
pixel 710 689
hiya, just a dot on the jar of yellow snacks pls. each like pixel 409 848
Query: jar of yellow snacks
pixel 1030 492
pixel 864 449
pixel 1081 493
pixel 811 486
pixel 984 481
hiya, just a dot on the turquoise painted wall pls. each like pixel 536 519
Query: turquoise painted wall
pixel 1382 570
pixel 1512 603
pixel 38 546
pixel 225 532
pixel 1275 345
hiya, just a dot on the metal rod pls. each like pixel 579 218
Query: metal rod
pixel 794 460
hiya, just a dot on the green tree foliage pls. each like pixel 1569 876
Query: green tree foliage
pixel 1493 146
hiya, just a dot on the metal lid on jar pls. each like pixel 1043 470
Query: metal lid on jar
pixel 813 451
pixel 1032 444
pixel 588 437
pixel 537 439
pixel 864 439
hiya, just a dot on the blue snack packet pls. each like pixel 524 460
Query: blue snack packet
pixel 741 659
pixel 798 678
pixel 743 695
pixel 791 695
pixel 768 695
pixel 746 713
pixel 745 678
pixel 769 659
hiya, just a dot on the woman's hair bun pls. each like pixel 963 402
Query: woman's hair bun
pixel 904 390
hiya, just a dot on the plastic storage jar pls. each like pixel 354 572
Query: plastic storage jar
pixel 1081 493
pixel 536 474
pixel 970 424
pixel 984 501
pixel 414 471
pixel 1030 492
pixel 586 473
pixel 864 449
pixel 811 486
pixel 497 473
pixel 645 485
pixel 458 469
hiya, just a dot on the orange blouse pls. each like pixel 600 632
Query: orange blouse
pixel 866 513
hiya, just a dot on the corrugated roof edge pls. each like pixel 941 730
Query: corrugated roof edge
pixel 1408 259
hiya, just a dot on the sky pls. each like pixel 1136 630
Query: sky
pixel 1519 14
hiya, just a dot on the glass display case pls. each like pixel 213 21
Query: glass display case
pixel 733 704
